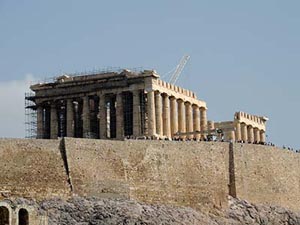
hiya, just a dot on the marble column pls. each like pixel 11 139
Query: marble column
pixel 262 136
pixel 210 126
pixel 158 114
pixel 119 117
pixel 136 111
pixel 166 116
pixel 181 118
pixel 196 119
pixel 86 124
pixel 54 122
pixel 238 135
pixel 151 114
pixel 70 118
pixel 40 127
pixel 232 136
pixel 174 119
pixel 244 132
pixel 102 117
pixel 189 119
pixel 250 134
pixel 203 122
pixel 256 135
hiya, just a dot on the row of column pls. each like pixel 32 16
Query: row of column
pixel 168 115
pixel 86 119
pixel 247 133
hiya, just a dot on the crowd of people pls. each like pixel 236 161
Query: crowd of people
pixel 211 138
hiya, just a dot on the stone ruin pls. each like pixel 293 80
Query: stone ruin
pixel 129 104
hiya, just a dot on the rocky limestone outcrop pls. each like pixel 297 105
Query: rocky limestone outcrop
pixel 92 211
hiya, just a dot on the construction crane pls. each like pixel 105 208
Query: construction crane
pixel 179 69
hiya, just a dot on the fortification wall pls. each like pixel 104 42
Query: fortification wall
pixel 187 174
pixel 269 175
pixel 32 169
pixel 192 174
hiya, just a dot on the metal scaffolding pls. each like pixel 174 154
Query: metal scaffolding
pixel 30 116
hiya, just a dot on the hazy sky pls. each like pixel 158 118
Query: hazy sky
pixel 244 54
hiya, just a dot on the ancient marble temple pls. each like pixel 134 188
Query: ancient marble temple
pixel 117 105
pixel 244 128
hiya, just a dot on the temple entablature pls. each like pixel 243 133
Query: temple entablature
pixel 175 91
pixel 258 122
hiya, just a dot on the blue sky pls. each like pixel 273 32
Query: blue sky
pixel 244 54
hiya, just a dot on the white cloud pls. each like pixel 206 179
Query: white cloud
pixel 12 110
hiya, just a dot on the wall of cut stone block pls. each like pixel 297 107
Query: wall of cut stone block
pixel 267 175
pixel 195 174
pixel 32 169
pixel 179 173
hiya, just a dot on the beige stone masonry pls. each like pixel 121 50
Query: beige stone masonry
pixel 174 119
pixel 166 116
pixel 196 121
pixel 181 118
pixel 136 113
pixel 151 114
pixel 86 117
pixel 158 114
pixel 154 110
pixel 119 116
pixel 255 121
pixel 102 116
pixel 54 122
pixel 70 118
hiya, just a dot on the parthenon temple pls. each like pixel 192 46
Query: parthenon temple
pixel 245 128
pixel 117 105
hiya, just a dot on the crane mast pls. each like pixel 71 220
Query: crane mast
pixel 179 69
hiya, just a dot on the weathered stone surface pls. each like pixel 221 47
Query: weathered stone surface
pixel 243 212
pixel 112 212
pixel 32 168
pixel 186 174
pixel 120 211
pixel 244 128
pixel 194 174
pixel 267 175
pixel 84 90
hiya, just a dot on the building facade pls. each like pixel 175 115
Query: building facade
pixel 116 105
pixel 244 128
